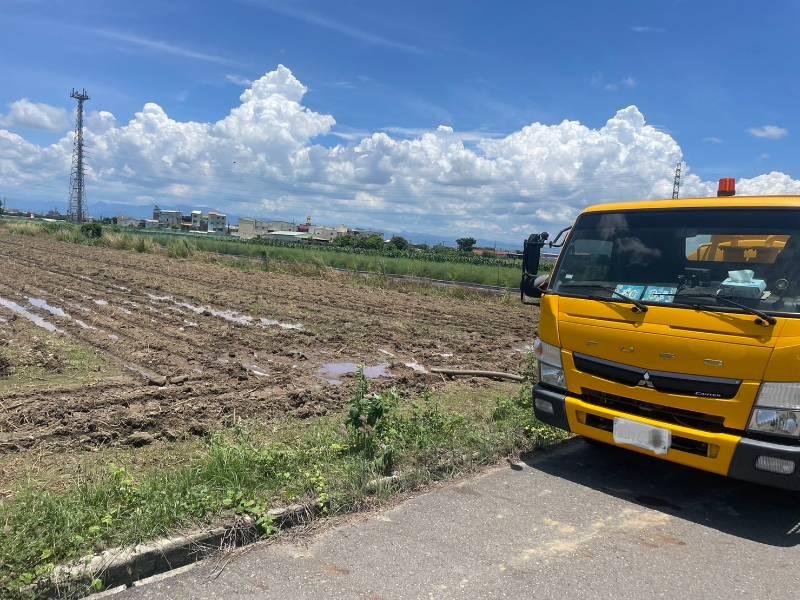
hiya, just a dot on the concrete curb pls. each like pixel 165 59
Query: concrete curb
pixel 120 568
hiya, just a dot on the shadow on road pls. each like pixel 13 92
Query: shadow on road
pixel 758 513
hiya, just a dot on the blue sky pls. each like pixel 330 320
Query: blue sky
pixel 716 77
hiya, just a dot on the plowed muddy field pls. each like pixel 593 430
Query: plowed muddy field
pixel 102 347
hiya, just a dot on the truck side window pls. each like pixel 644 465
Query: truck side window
pixel 588 260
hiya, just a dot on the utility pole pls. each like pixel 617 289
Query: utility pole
pixel 76 211
pixel 676 184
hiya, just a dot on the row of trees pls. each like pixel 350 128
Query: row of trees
pixel 398 242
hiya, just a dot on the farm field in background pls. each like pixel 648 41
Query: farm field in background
pixel 452 266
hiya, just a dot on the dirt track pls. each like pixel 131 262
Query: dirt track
pixel 229 342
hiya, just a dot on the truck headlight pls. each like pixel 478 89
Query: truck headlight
pixel 548 364
pixel 777 409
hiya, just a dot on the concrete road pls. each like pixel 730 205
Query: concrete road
pixel 577 522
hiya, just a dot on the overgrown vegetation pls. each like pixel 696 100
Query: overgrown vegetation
pixel 445 264
pixel 91 231
pixel 247 470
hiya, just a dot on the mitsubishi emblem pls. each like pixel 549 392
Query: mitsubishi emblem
pixel 645 381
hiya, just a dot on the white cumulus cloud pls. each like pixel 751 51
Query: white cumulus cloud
pixel 35 115
pixel 262 158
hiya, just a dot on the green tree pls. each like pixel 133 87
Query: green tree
pixel 399 242
pixel 373 242
pixel 466 244
pixel 91 230
pixel 344 241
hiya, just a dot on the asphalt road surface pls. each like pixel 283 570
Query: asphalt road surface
pixel 576 522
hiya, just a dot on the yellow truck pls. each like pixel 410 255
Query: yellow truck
pixel 672 328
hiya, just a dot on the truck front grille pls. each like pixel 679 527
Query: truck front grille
pixel 670 383
pixel 676 416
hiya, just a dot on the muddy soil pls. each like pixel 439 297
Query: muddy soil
pixel 202 345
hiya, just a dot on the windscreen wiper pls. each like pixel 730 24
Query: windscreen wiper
pixel 764 317
pixel 638 306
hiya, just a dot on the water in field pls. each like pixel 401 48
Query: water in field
pixel 334 371
pixel 227 314
pixel 35 319
pixel 42 304
pixel 274 323
pixel 415 366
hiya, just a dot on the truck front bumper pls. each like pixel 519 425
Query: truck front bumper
pixel 721 453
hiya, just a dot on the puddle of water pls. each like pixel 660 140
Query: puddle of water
pixel 446 355
pixel 121 288
pixel 273 323
pixel 84 325
pixel 101 302
pixel 415 366
pixel 41 303
pixel 35 319
pixel 334 371
pixel 228 315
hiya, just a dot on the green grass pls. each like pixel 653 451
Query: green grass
pixel 506 276
pixel 451 267
pixel 247 470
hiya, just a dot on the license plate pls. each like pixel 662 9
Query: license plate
pixel 647 437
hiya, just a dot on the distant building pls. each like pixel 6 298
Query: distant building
pixel 151 224
pixel 169 218
pixel 217 222
pixel 250 228
pixel 197 217
pixel 321 233
pixel 123 221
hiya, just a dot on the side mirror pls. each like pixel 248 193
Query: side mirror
pixel 531 284
pixel 534 289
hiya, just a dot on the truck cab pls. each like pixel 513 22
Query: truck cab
pixel 672 328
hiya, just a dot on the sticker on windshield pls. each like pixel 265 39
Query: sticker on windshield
pixel 655 293
pixel 633 292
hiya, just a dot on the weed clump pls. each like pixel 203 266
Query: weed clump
pixel 144 245
pixel 92 231
pixel 180 248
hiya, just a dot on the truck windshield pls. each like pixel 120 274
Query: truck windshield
pixel 686 257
